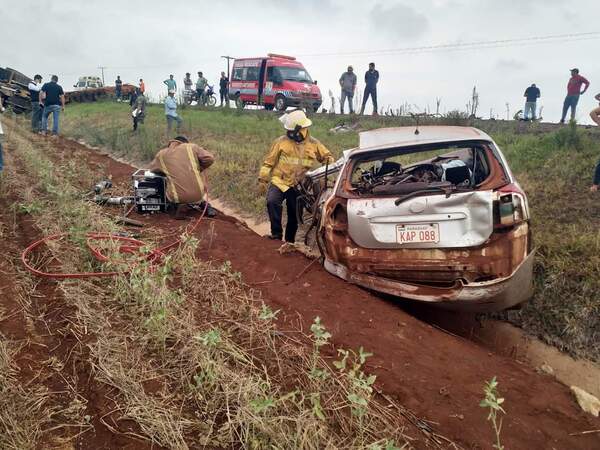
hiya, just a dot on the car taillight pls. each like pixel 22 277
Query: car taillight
pixel 510 206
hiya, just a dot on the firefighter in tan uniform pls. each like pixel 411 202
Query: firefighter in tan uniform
pixel 290 157
pixel 182 163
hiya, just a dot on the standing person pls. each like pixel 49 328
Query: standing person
pixel 290 157
pixel 187 82
pixel 573 93
pixel 171 84
pixel 36 108
pixel 171 112
pixel 142 86
pixel 53 97
pixel 224 89
pixel 138 109
pixel 371 79
pixel 1 139
pixel 532 93
pixel 595 114
pixel 596 182
pixel 200 88
pixel 348 85
pixel 118 87
pixel 134 95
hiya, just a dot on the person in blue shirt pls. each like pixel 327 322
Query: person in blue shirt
pixel 171 83
pixel 171 112
pixel 371 80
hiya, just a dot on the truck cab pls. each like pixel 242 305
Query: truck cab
pixel 88 82
pixel 274 81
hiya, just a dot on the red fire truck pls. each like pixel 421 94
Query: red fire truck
pixel 274 81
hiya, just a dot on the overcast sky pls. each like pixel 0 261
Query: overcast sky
pixel 151 39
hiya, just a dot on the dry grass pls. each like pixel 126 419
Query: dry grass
pixel 22 411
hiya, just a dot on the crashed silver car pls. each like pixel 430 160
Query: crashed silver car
pixel 431 214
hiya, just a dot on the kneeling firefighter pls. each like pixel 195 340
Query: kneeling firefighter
pixel 290 157
pixel 182 163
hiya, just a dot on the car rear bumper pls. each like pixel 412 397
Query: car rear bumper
pixel 487 296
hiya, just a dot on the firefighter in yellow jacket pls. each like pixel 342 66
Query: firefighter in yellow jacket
pixel 182 163
pixel 290 157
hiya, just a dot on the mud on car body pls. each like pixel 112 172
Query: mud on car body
pixel 434 217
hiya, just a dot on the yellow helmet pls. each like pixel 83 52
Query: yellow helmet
pixel 294 119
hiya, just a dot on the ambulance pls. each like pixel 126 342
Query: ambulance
pixel 274 81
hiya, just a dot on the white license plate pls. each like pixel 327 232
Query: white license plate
pixel 418 233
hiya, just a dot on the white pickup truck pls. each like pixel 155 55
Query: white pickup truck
pixel 88 83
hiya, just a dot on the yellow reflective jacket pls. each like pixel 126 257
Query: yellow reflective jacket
pixel 288 161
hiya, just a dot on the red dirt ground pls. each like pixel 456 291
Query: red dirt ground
pixel 436 375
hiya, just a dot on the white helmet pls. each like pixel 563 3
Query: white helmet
pixel 294 119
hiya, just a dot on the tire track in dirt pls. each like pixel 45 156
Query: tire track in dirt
pixel 438 376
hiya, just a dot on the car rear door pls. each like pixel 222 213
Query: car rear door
pixel 463 219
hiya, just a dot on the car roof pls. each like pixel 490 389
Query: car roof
pixel 383 138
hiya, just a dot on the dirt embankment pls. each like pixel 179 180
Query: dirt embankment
pixel 437 375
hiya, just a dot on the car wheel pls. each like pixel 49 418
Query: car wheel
pixel 280 103
pixel 239 103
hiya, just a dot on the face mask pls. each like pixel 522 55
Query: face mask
pixel 298 135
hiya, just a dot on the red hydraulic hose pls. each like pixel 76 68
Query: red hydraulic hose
pixel 130 246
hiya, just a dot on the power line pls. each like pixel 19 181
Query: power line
pixel 498 43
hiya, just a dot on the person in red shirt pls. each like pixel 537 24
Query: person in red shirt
pixel 573 93
pixel 142 86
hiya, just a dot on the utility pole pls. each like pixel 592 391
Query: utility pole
pixel 102 68
pixel 228 58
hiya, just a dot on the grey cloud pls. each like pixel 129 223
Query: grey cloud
pixel 399 21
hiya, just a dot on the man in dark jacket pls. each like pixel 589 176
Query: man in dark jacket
pixel 138 108
pixel 53 98
pixel 371 79
pixel 532 93
pixel 224 89
pixel 118 88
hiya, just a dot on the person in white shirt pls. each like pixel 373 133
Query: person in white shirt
pixel 36 106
